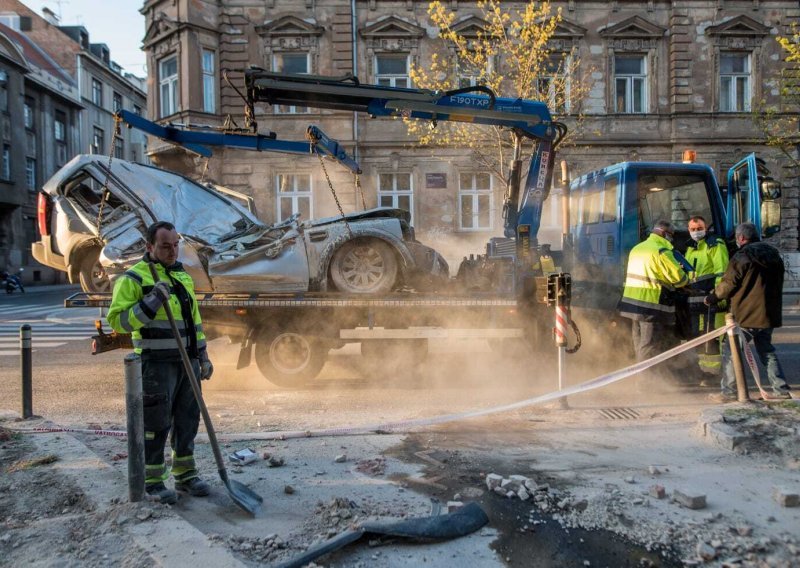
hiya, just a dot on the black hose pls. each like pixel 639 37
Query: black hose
pixel 574 349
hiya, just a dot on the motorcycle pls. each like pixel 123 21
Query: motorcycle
pixel 12 282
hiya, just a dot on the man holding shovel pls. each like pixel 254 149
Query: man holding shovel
pixel 137 307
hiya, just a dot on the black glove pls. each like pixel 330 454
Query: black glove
pixel 206 368
pixel 158 296
pixel 711 300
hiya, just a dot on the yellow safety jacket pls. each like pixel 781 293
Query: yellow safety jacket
pixel 708 257
pixel 150 330
pixel 653 274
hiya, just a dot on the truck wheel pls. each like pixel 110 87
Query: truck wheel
pixel 289 359
pixel 92 276
pixel 364 266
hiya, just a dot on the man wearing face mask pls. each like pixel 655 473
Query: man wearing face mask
pixel 708 256
pixel 753 282
pixel 654 272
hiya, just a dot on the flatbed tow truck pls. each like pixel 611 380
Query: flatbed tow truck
pixel 503 295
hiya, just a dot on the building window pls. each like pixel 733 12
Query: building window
pixel 296 64
pixel 630 84
pixel 97 92
pixel 28 111
pixel 119 148
pixel 6 162
pixel 168 82
pixel 137 110
pixel 209 82
pixel 10 19
pixel 30 173
pixel 474 201
pixel 98 141
pixel 117 102
pixel 552 85
pixel 734 82
pixel 391 70
pixel 396 190
pixel 61 154
pixel 470 75
pixel 294 196
pixel 3 91
pixel 60 127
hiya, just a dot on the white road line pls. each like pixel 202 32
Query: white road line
pixel 40 340
pixel 40 344
pixel 7 352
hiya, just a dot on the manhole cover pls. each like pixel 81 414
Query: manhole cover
pixel 619 413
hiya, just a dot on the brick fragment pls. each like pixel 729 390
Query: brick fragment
pixel 657 491
pixel 689 500
pixel 785 498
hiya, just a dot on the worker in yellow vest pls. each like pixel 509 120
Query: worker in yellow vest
pixel 708 256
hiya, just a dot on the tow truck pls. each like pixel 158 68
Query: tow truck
pixel 503 293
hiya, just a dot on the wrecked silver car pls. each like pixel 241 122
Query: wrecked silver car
pixel 225 247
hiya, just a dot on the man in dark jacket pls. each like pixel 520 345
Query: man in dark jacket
pixel 753 282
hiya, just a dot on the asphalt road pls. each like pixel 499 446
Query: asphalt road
pixel 74 388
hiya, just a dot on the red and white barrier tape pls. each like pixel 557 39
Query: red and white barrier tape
pixel 406 425
pixel 747 348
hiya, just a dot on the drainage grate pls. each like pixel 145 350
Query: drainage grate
pixel 619 413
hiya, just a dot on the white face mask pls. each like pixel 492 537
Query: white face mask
pixel 697 235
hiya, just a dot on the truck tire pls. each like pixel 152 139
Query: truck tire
pixel 91 274
pixel 364 266
pixel 288 358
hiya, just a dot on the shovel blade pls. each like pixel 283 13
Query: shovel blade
pixel 244 497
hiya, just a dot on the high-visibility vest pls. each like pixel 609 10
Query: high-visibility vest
pixel 653 273
pixel 709 257
pixel 151 331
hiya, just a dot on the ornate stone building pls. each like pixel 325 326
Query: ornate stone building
pixel 663 77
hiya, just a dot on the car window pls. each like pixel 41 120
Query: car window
pixel 86 194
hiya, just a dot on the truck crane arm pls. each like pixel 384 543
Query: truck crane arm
pixel 197 139
pixel 525 118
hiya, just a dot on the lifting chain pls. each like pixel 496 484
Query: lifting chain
pixel 360 191
pixel 104 190
pixel 330 184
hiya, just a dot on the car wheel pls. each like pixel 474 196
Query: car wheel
pixel 288 358
pixel 92 275
pixel 364 266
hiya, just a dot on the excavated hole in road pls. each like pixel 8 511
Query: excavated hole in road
pixel 548 545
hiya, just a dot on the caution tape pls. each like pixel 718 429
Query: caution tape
pixel 407 425
pixel 751 361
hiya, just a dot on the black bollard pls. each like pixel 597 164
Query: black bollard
pixel 134 410
pixel 26 363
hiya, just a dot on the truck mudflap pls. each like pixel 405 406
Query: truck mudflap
pixel 246 352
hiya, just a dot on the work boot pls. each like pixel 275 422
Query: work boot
pixel 195 487
pixel 164 495
pixel 782 394
pixel 722 398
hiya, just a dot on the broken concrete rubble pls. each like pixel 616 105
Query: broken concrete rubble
pixel 785 497
pixel 689 499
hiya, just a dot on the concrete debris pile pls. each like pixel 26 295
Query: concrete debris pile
pixel 545 498
pixel 267 548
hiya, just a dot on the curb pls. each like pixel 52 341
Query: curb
pixel 711 425
pixel 166 539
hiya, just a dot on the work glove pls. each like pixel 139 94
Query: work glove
pixel 206 368
pixel 710 300
pixel 158 296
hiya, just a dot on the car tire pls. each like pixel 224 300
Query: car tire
pixel 91 274
pixel 364 266
pixel 288 358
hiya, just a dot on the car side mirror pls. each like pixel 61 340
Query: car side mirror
pixel 770 218
pixel 770 189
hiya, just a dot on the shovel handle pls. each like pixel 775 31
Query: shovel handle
pixel 198 394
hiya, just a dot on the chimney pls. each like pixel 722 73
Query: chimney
pixel 50 16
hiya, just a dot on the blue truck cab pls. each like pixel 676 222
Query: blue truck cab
pixel 613 209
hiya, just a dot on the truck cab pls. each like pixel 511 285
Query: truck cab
pixel 614 208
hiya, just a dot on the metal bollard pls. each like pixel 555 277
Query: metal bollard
pixel 26 363
pixel 134 410
pixel 736 358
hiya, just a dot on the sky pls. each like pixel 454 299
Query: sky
pixel 117 23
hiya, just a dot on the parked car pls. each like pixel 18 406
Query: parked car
pixel 225 247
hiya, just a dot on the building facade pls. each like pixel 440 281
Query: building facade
pixel 40 110
pixel 69 96
pixel 662 76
